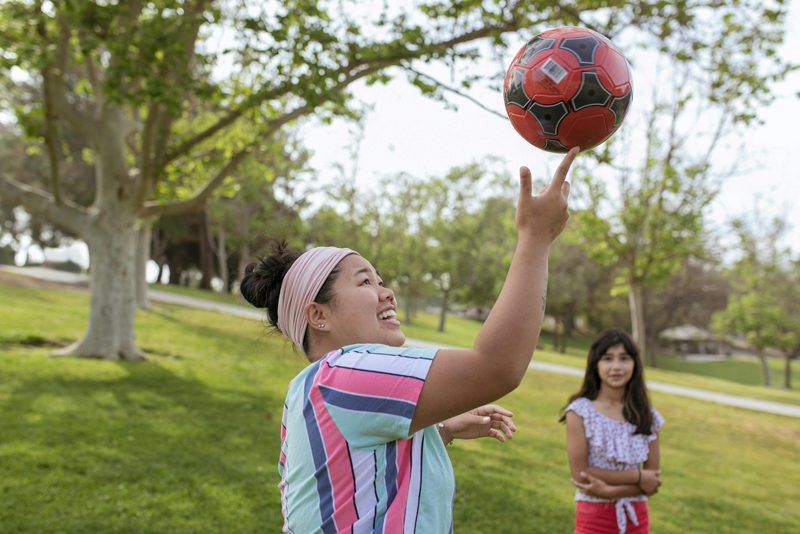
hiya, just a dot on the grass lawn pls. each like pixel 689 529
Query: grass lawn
pixel 188 441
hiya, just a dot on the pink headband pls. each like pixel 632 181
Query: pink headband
pixel 301 285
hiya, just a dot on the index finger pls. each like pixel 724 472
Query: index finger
pixel 560 175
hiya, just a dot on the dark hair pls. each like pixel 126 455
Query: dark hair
pixel 636 409
pixel 262 281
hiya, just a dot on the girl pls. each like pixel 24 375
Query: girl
pixel 612 440
pixel 365 424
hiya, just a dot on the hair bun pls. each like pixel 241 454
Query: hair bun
pixel 261 284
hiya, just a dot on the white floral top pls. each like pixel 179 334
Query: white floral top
pixel 614 446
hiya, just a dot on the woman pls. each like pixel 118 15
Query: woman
pixel 612 440
pixel 364 426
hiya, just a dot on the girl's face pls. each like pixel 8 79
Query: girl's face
pixel 363 310
pixel 615 367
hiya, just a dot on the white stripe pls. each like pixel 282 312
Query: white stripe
pixel 383 363
pixel 414 484
pixel 364 471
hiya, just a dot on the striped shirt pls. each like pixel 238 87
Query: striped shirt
pixel 347 462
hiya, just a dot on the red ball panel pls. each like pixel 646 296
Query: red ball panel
pixel 616 69
pixel 586 128
pixel 553 77
pixel 525 125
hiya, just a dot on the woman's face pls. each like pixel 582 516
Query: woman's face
pixel 363 310
pixel 615 367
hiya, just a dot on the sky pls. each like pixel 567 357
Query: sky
pixel 406 132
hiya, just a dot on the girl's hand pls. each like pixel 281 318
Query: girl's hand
pixel 650 481
pixel 592 486
pixel 490 421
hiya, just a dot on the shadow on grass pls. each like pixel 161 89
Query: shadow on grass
pixel 147 450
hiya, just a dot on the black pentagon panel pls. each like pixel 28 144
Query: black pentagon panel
pixel 549 117
pixel 584 48
pixel 590 93
pixel 534 46
pixel 553 145
pixel 619 107
pixel 515 94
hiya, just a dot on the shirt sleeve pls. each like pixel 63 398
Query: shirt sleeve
pixel 658 422
pixel 581 407
pixel 371 391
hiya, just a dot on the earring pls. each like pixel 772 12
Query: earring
pixel 321 325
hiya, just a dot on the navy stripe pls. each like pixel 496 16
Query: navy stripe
pixel 365 403
pixel 389 479
pixel 324 489
pixel 391 473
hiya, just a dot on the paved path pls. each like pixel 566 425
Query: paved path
pixel 252 313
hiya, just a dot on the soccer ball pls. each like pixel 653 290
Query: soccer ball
pixel 567 87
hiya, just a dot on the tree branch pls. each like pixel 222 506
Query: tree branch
pixel 456 92
pixel 71 216
pixel 347 73
pixel 198 199
pixel 53 75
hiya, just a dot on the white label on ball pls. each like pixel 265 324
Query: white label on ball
pixel 553 70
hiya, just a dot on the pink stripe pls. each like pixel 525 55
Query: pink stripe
pixel 395 515
pixel 338 460
pixel 371 383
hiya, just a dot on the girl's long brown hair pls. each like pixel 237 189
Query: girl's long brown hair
pixel 636 409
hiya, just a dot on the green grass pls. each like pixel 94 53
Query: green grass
pixel 188 441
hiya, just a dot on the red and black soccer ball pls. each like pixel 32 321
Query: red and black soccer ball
pixel 567 87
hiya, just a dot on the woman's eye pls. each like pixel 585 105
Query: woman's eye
pixel 366 281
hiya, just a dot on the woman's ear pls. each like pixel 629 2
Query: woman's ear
pixel 316 316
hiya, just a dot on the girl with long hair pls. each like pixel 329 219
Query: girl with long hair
pixel 612 440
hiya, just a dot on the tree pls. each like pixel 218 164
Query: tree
pixel 471 225
pixel 654 217
pixel 763 302
pixel 122 75
pixel 579 288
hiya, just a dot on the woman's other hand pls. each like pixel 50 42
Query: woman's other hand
pixel 489 421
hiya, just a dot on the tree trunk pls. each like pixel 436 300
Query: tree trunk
pixel 787 372
pixel 443 312
pixel 407 306
pixel 206 255
pixel 222 258
pixel 110 333
pixel 636 304
pixel 764 367
pixel 160 272
pixel 244 260
pixel 142 256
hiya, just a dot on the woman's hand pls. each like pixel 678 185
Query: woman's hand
pixel 592 486
pixel 546 214
pixel 490 421
pixel 650 482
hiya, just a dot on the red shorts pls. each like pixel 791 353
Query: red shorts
pixel 601 518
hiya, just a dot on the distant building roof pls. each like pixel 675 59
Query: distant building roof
pixel 687 332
